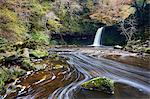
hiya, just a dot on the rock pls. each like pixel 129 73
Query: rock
pixel 38 53
pixel 11 57
pixel 58 66
pixel 26 64
pixel 1 59
pixel 2 91
pixel 118 47
pixel 39 66
pixel 19 43
pixel 16 72
pixel 4 76
pixel 99 84
pixel 147 50
pixel 25 53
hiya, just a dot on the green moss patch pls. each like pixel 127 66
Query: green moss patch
pixel 38 53
pixel 100 84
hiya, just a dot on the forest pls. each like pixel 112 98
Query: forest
pixel 46 49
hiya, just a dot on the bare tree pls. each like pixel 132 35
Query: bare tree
pixel 128 28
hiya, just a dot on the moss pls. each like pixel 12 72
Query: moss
pixel 11 24
pixel 38 53
pixel 100 84
pixel 26 64
pixel 2 59
pixel 54 25
pixel 40 37
pixel 6 75
pixel 17 72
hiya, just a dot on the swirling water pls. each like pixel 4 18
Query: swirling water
pixel 131 82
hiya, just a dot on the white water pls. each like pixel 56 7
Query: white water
pixel 97 39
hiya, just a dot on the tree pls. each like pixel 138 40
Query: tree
pixel 111 11
pixel 128 28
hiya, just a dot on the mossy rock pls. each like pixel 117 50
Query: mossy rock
pixel 147 50
pixel 2 91
pixel 2 59
pixel 39 66
pixel 25 53
pixel 7 75
pixel 38 53
pixel 4 76
pixel 58 66
pixel 27 64
pixel 16 72
pixel 99 84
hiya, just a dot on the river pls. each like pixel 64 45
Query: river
pixel 130 82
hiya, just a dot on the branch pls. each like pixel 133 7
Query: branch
pixel 144 2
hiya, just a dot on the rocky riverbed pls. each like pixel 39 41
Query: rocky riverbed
pixel 61 73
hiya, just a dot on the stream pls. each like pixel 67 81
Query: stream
pixel 130 82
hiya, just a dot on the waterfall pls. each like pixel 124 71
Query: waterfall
pixel 97 39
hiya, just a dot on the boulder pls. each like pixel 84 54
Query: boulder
pixel 118 47
pixel 147 50
pixel 1 59
pixel 100 84
pixel 26 64
pixel 39 66
pixel 38 53
pixel 58 66
pixel 25 53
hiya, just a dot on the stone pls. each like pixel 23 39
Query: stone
pixel 38 53
pixel 58 66
pixel 25 53
pixel 39 66
pixel 118 47
pixel 99 84
pixel 2 91
pixel 16 72
pixel 1 59
pixel 26 64
pixel 147 50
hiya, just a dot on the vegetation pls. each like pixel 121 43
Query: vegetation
pixel 27 26
pixel 100 84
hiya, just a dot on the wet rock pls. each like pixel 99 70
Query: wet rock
pixel 7 75
pixel 58 66
pixel 147 50
pixel 118 47
pixel 26 64
pixel 1 59
pixel 38 53
pixel 16 72
pixel 11 58
pixel 39 66
pixel 4 76
pixel 2 91
pixel 25 53
pixel 99 84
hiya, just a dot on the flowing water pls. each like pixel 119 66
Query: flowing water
pixel 64 83
pixel 97 39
